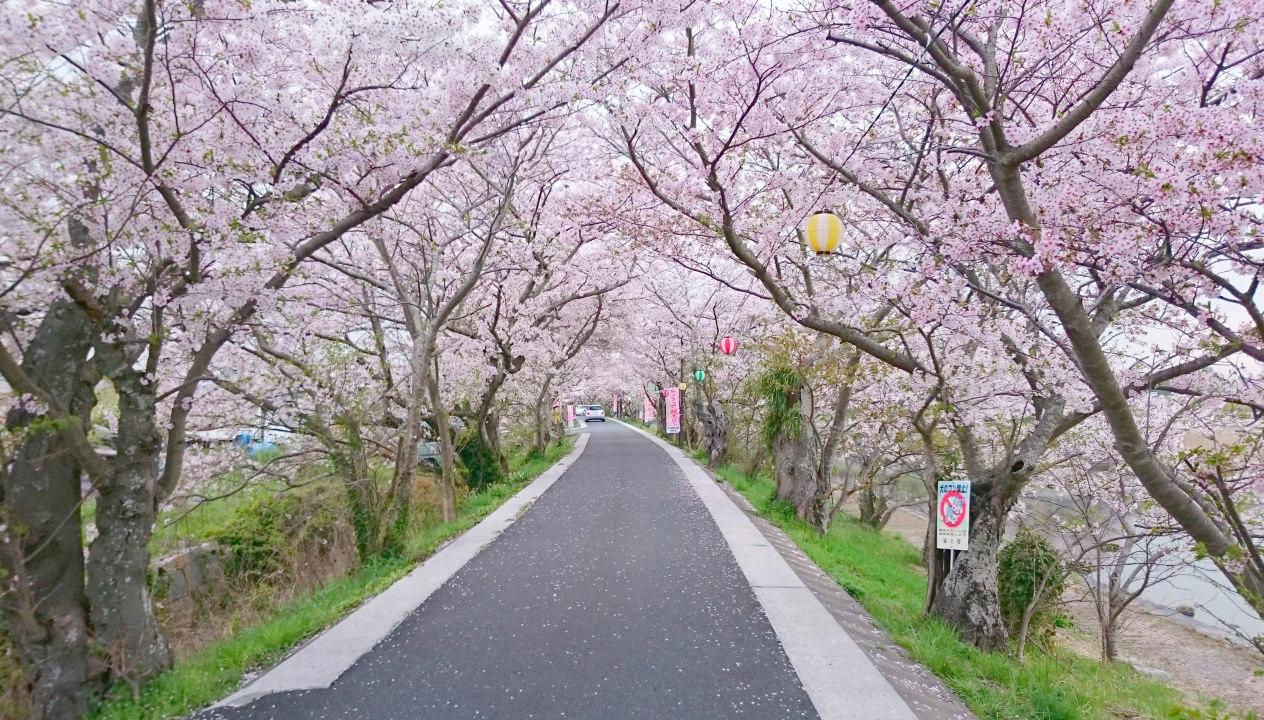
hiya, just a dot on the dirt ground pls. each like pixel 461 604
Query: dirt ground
pixel 1200 666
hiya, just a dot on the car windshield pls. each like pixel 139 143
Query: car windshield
pixel 595 407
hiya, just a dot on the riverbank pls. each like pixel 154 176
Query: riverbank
pixel 1195 663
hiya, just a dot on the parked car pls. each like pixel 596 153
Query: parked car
pixel 594 413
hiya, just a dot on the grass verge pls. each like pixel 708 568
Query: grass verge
pixel 883 572
pixel 216 670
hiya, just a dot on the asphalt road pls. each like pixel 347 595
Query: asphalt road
pixel 614 596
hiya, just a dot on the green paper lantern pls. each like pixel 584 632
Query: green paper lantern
pixel 699 375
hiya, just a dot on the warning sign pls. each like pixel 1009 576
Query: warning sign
pixel 952 526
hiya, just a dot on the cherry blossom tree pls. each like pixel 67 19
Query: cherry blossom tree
pixel 1092 196
pixel 168 168
pixel 706 138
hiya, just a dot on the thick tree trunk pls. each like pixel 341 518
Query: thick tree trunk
pixel 969 599
pixel 715 430
pixel 491 435
pixel 794 468
pixel 118 565
pixel 795 465
pixel 40 528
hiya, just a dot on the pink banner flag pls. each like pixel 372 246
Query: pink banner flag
pixel 649 411
pixel 673 410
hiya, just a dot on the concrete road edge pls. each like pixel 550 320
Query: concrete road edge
pixel 838 677
pixel 323 660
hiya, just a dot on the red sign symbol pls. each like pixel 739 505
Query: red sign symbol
pixel 952 508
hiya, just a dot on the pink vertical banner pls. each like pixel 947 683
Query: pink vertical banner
pixel 673 410
pixel 570 416
pixel 649 410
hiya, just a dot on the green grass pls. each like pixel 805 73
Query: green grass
pixel 883 572
pixel 216 670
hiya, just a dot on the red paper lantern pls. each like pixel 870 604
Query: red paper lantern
pixel 728 345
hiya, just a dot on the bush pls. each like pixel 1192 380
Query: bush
pixel 1030 569
pixel 482 467
pixel 266 531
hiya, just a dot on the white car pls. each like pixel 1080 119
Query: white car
pixel 594 413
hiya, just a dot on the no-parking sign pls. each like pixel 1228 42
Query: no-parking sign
pixel 952 521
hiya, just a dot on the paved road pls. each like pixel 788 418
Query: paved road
pixel 613 597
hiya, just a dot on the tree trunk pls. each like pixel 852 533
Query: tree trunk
pixel 447 454
pixel 1024 627
pixel 715 430
pixel 794 469
pixel 487 420
pixel 969 599
pixel 362 501
pixel 931 557
pixel 874 510
pixel 1110 638
pixel 491 435
pixel 755 462
pixel 118 564
pixel 399 498
pixel 795 464
pixel 543 420
pixel 42 554
pixel 825 505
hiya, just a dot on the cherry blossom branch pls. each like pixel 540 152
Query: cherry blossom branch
pixel 1094 98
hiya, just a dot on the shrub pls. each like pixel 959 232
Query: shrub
pixel 482 467
pixel 1031 577
pixel 263 533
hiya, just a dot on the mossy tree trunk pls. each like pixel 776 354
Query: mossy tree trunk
pixel 794 456
pixel 118 565
pixel 41 548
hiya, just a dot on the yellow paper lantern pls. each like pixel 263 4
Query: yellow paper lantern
pixel 824 230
